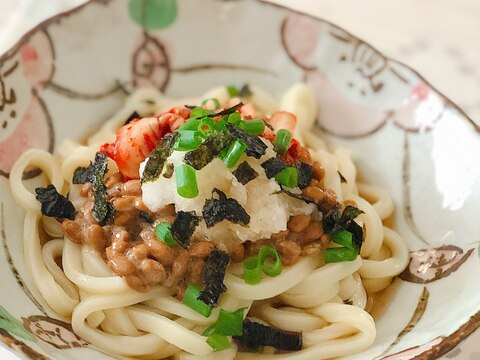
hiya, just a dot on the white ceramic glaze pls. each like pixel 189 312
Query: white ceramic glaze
pixel 70 73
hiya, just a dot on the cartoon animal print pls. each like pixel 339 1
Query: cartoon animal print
pixel 357 88
pixel 24 119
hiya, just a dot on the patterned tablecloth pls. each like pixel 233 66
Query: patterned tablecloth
pixel 438 38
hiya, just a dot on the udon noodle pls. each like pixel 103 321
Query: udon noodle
pixel 325 302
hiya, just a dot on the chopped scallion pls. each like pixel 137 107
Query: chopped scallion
pixel 190 299
pixel 228 323
pixel 206 126
pixel 198 112
pixel 287 177
pixel 189 140
pixel 270 261
pixel 186 181
pixel 344 238
pixel 282 141
pixel 234 152
pixel 340 254
pixel 216 103
pixel 252 270
pixel 219 342
pixel 253 127
pixel 190 124
pixel 234 118
pixel 232 91
pixel 162 232
pixel 221 125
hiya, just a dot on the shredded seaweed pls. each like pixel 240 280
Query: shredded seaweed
pixel 273 166
pixel 156 161
pixel 223 208
pixel 145 217
pixel 255 146
pixel 169 169
pixel 213 275
pixel 256 334
pixel 305 174
pixel 183 227
pixel 102 209
pixel 191 107
pixel 336 221
pixel 83 175
pixel 227 111
pixel 245 91
pixel 132 117
pixel 342 178
pixel 54 204
pixel 208 150
pixel 245 173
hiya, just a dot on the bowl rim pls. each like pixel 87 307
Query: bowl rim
pixel 448 342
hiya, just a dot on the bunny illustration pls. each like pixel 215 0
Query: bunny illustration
pixel 24 119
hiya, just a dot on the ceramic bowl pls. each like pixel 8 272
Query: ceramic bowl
pixel 71 72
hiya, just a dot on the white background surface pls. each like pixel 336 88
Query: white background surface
pixel 438 38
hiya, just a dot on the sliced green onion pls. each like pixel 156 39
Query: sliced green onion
pixel 216 103
pixel 219 342
pixel 270 261
pixel 232 91
pixel 340 254
pixel 234 152
pixel 344 238
pixel 190 299
pixel 206 126
pixel 221 125
pixel 186 180
pixel 198 112
pixel 234 118
pixel 228 324
pixel 287 177
pixel 253 127
pixel 190 124
pixel 282 141
pixel 252 271
pixel 189 140
pixel 162 232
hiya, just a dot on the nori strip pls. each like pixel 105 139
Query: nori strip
pixel 213 275
pixel 255 146
pixel 169 168
pixel 102 209
pixel 208 150
pixel 133 116
pixel 304 174
pixel 335 222
pixel 273 166
pixel 159 155
pixel 223 208
pixel 245 91
pixel 245 173
pixel 184 226
pixel 83 175
pixel 227 111
pixel 342 178
pixel 54 204
pixel 255 334
pixel 142 215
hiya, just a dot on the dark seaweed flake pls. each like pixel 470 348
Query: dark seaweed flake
pixel 83 175
pixel 342 178
pixel 227 111
pixel 54 204
pixel 255 146
pixel 208 150
pixel 245 173
pixel 184 226
pixel 156 161
pixel 213 276
pixel 145 217
pixel 132 117
pixel 245 91
pixel 335 221
pixel 255 334
pixel 304 174
pixel 102 209
pixel 223 208
pixel 273 166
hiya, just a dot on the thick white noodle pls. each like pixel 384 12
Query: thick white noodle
pixel 308 297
